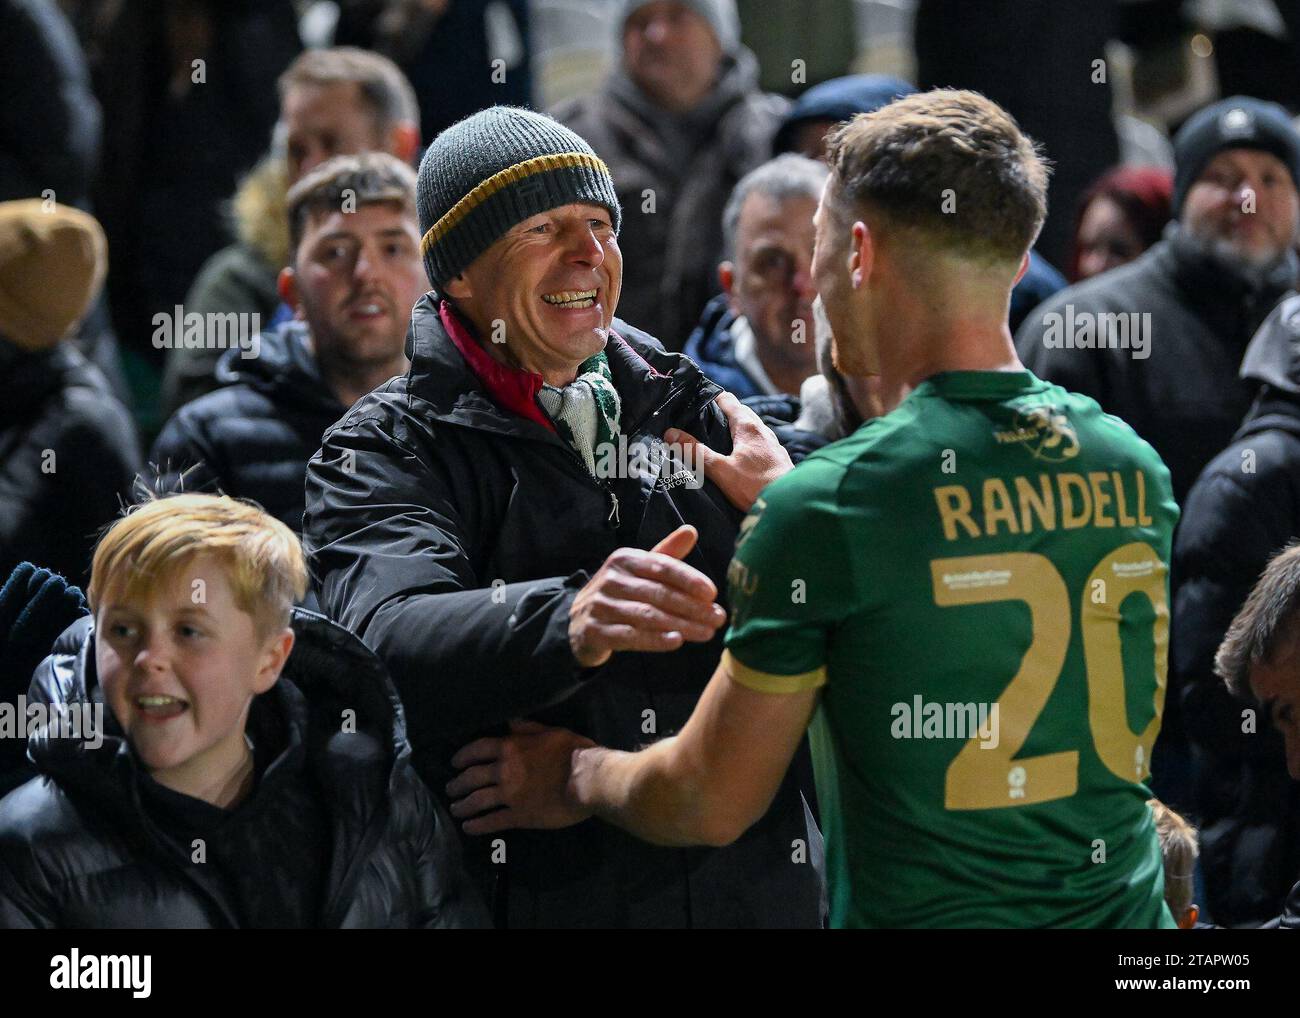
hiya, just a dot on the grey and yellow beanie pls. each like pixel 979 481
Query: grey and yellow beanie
pixel 495 169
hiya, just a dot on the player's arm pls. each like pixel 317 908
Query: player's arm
pixel 716 777
pixel 713 780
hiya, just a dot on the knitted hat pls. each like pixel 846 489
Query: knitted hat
pixel 492 170
pixel 1239 122
pixel 52 265
pixel 721 15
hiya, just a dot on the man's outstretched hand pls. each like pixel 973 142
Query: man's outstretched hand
pixel 644 600
pixel 757 457
pixel 518 780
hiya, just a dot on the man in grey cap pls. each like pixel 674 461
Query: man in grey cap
pixel 508 528
pixel 1158 342
pixel 679 121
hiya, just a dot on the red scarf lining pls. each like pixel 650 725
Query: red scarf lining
pixel 512 388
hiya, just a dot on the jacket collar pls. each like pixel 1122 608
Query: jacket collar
pixel 1273 410
pixel 709 339
pixel 285 369
pixel 1210 280
pixel 512 388
pixel 29 378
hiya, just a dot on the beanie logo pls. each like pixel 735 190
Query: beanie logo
pixel 1237 123
pixel 530 188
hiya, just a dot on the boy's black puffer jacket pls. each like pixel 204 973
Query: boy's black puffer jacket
pixel 78 849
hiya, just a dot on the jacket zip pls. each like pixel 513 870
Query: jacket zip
pixel 613 518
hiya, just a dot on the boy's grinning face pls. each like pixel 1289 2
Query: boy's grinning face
pixel 179 665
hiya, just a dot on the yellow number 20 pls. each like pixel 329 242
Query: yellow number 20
pixel 989 777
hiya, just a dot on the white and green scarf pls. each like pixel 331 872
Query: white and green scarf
pixel 586 410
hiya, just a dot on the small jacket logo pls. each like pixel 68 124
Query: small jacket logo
pixel 1045 432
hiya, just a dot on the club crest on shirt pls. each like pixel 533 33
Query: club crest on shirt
pixel 1045 431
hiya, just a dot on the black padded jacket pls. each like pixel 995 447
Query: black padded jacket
pixel 452 535
pixel 79 848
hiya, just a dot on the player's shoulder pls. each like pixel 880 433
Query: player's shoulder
pixel 820 476
pixel 1102 434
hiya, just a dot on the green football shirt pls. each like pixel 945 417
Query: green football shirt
pixel 979 582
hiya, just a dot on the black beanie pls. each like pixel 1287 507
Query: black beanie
pixel 492 170
pixel 1239 122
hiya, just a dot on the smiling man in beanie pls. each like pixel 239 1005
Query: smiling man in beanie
pixel 1188 307
pixel 507 528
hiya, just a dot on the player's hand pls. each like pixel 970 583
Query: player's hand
pixel 520 780
pixel 644 600
pixel 757 458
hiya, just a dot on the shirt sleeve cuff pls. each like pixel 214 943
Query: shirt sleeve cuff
pixel 763 682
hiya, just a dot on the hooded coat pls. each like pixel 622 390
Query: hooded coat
pixel 90 843
pixel 673 175
pixel 1244 509
pixel 452 535
pixel 69 455
pixel 711 347
pixel 252 437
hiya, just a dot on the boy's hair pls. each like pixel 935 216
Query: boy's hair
pixel 1178 849
pixel 364 179
pixel 263 557
pixel 1262 623
pixel 950 167
pixel 384 89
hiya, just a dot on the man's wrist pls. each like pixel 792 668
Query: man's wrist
pixel 584 764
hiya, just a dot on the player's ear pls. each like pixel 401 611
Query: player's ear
pixel 1024 267
pixel 862 254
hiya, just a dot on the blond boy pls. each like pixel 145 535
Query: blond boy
pixel 253 771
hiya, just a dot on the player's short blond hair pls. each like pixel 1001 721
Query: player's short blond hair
pixel 949 168
pixel 1178 849
pixel 263 557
